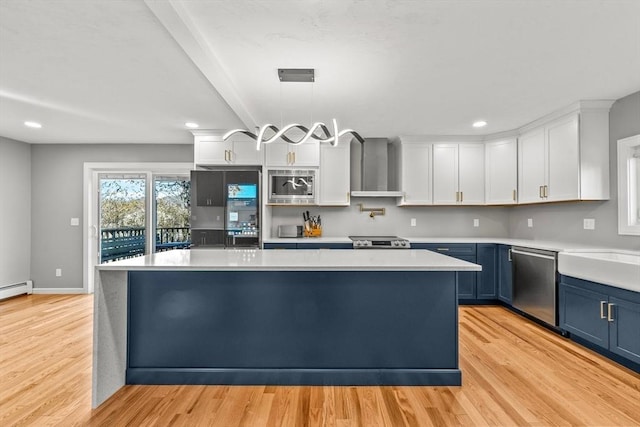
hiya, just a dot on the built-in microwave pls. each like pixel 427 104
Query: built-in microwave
pixel 292 186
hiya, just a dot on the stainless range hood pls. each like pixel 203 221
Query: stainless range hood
pixel 373 168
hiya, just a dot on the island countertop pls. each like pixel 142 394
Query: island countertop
pixel 304 260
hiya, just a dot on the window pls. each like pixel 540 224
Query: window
pixel 629 185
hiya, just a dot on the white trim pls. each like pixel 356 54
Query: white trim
pixel 89 202
pixel 47 291
pixel 627 179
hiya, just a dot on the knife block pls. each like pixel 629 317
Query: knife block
pixel 313 231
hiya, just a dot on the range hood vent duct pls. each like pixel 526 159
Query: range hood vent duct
pixel 373 168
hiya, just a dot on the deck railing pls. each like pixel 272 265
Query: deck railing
pixel 129 242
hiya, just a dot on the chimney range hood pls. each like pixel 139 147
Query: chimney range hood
pixel 373 168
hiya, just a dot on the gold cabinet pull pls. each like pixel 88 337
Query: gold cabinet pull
pixel 294 157
pixel 348 197
pixel 461 196
pixel 610 312
pixel 540 192
pixel 457 196
pixel 546 191
pixel 515 195
pixel 602 305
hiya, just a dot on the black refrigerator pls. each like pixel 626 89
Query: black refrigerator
pixel 225 208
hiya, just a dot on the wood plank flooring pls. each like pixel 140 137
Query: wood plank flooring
pixel 514 373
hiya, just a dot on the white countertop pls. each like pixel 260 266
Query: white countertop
pixel 311 260
pixel 536 244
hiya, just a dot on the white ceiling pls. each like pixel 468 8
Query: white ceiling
pixel 134 71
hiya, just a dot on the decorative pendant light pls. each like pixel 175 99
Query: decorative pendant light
pixel 296 75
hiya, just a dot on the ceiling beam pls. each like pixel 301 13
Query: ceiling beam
pixel 176 20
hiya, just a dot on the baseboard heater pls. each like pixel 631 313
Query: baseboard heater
pixel 7 291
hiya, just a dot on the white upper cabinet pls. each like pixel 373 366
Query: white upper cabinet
pixel 549 162
pixel 415 173
pixel 501 171
pixel 458 174
pixel 334 179
pixel 566 157
pixel 445 174
pixel 283 154
pixel 210 149
pixel 531 166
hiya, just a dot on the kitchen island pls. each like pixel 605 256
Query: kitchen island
pixel 312 317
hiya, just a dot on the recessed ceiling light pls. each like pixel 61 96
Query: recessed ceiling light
pixel 191 125
pixel 33 125
pixel 479 124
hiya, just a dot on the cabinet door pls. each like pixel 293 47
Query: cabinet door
pixel 278 154
pixel 208 188
pixel 501 173
pixel 306 154
pixel 245 153
pixel 563 182
pixel 531 166
pixel 581 313
pixel 415 174
pixel 466 280
pixel 334 176
pixel 505 274
pixel 471 174
pixel 445 174
pixel 487 284
pixel 624 330
pixel 212 151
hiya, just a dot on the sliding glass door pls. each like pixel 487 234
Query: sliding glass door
pixel 142 213
pixel 172 212
pixel 122 210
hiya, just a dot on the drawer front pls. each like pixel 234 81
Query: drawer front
pixel 280 246
pixel 448 248
pixel 325 246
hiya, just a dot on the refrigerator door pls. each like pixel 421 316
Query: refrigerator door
pixel 242 209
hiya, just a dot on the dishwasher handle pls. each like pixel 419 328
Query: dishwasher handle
pixel 516 251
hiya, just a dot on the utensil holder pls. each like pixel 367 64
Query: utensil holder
pixel 313 232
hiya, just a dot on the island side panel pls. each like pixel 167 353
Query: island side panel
pixel 109 334
pixel 293 327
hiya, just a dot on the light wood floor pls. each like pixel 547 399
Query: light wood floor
pixel 514 373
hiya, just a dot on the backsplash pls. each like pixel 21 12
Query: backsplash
pixel 431 221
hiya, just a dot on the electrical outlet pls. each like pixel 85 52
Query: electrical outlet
pixel 413 222
pixel 530 222
pixel 75 221
pixel 476 222
pixel 589 224
pixel 58 272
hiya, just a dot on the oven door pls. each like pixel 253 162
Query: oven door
pixel 291 186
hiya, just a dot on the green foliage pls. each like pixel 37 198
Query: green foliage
pixel 122 203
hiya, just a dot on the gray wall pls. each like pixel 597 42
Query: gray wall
pixel 564 221
pixel 57 183
pixel 15 211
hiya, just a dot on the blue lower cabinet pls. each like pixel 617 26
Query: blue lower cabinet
pixel 487 257
pixel 624 328
pixel 505 274
pixel 603 315
pixel 466 280
pixel 583 313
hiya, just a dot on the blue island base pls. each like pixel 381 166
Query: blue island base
pixel 293 328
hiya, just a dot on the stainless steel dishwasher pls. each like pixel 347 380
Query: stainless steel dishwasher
pixel 535 289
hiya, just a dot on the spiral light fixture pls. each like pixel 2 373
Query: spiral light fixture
pixel 296 75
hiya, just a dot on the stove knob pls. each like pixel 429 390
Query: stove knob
pixel 395 243
pixel 403 243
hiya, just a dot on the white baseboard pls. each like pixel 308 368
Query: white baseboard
pixel 58 291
